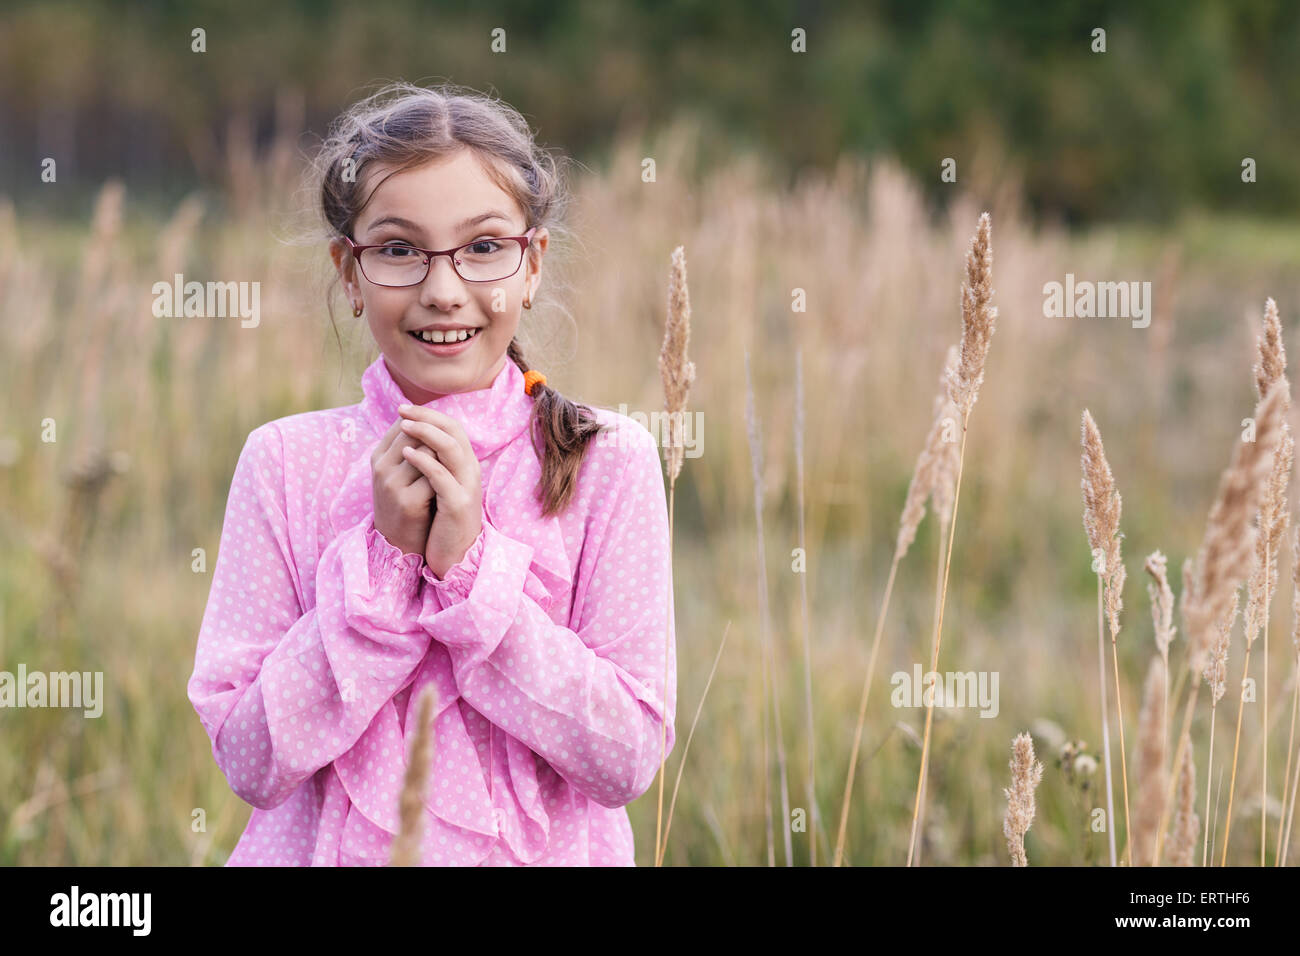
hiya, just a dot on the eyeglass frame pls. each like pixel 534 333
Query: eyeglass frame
pixel 430 254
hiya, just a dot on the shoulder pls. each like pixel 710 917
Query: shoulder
pixel 625 451
pixel 623 439
pixel 303 439
pixel 307 431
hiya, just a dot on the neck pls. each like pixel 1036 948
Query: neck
pixel 419 396
pixel 414 394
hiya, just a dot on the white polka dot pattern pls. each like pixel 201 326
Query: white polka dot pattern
pixel 545 644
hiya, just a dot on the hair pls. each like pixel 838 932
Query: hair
pixel 403 126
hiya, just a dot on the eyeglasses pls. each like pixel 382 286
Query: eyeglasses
pixel 483 260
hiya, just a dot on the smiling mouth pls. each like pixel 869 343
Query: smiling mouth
pixel 434 337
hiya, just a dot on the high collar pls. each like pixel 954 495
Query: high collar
pixel 492 417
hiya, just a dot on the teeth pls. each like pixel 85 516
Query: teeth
pixel 459 335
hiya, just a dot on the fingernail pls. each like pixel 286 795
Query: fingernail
pixel 403 408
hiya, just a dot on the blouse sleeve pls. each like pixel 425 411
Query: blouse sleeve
pixel 591 702
pixel 283 692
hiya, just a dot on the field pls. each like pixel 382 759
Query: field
pixel 99 526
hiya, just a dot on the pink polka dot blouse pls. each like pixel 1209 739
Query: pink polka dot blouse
pixel 546 645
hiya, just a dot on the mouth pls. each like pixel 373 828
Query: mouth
pixel 445 343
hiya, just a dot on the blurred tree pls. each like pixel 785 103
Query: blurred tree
pixel 1158 123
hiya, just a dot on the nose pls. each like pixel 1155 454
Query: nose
pixel 442 287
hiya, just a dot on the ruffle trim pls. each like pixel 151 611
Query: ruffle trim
pixel 389 564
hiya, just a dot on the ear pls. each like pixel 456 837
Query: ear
pixel 537 247
pixel 536 250
pixel 345 264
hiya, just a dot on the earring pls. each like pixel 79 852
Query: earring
pixel 528 299
pixel 357 310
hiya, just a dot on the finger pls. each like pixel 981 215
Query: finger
pixel 385 442
pixel 444 421
pixel 408 472
pixel 419 491
pixel 433 416
pixel 438 441
pixel 392 458
pixel 387 459
pixel 434 428
pixel 442 481
pixel 404 474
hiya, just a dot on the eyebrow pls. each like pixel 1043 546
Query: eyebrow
pixel 407 224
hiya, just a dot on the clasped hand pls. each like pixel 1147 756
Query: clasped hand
pixel 428 489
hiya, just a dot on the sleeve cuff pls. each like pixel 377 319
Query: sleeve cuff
pixel 454 586
pixel 389 566
pixel 381 583
pixel 493 573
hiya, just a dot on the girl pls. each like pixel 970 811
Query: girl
pixel 463 526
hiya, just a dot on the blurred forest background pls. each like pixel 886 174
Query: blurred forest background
pixel 776 171
pixel 1158 123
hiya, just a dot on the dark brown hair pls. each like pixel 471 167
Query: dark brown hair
pixel 404 126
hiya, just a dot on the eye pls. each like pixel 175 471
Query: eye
pixel 396 252
pixel 483 247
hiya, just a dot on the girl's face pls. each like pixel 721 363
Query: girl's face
pixel 441 205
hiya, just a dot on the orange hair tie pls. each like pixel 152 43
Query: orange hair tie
pixel 531 378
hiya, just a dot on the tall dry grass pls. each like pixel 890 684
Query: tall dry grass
pixel 1149 767
pixel 1187 824
pixel 1101 511
pixel 1215 673
pixel 1162 622
pixel 932 477
pixel 169 403
pixel 963 381
pixel 1026 774
pixel 1270 527
pixel 416 782
pixel 1221 561
pixel 1292 756
pixel 677 373
pixel 772 724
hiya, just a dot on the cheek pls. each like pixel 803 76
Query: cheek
pixel 385 318
pixel 501 332
pixel 501 324
pixel 377 329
